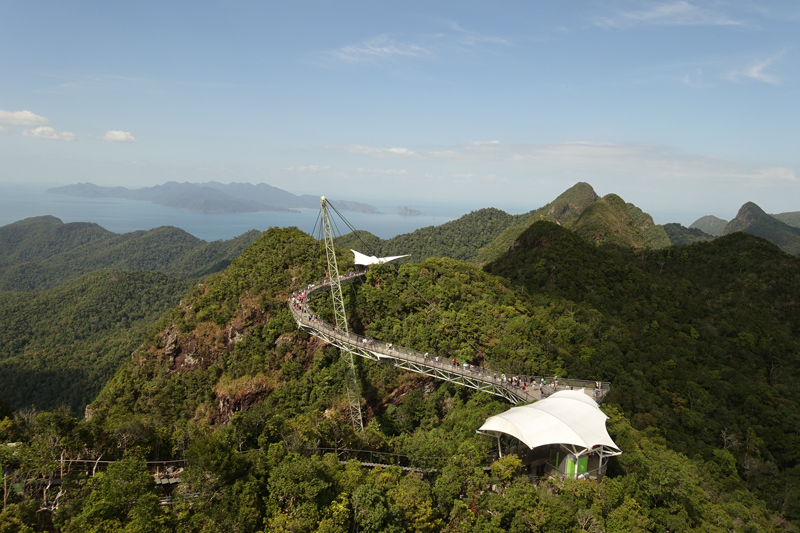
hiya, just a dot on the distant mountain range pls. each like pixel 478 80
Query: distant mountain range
pixel 42 252
pixel 710 225
pixel 700 344
pixel 791 218
pixel 484 235
pixel 212 197
pixel 753 220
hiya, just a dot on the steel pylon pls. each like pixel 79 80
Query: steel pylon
pixel 351 376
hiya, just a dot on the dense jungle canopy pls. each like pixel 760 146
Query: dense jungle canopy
pixel 700 343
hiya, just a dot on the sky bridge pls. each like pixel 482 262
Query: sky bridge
pixel 515 388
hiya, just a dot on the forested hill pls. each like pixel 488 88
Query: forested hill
pixel 476 236
pixel 681 236
pixel 227 380
pixel 792 218
pixel 566 208
pixel 60 346
pixel 484 235
pixel 753 220
pixel 43 252
pixel 611 221
pixel 606 220
pixel 458 239
pixel 75 299
pixel 700 342
pixel 710 224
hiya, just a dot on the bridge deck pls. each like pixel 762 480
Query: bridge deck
pixel 523 389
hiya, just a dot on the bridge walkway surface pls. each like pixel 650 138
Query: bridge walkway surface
pixel 513 387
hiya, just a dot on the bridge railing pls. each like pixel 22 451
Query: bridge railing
pixel 370 458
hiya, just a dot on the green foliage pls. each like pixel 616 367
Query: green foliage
pixel 753 220
pixel 12 520
pixel 654 234
pixel 792 218
pixel 42 252
pixel 209 371
pixel 709 225
pixel 683 236
pixel 506 468
pixel 414 499
pixel 609 221
pixel 374 511
pixel 458 239
pixel 563 210
pixel 61 345
pixel 120 499
pixel 707 369
pixel 699 342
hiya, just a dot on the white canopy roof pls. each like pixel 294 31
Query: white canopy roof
pixel 366 260
pixel 567 417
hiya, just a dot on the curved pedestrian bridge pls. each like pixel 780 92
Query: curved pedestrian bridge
pixel 513 387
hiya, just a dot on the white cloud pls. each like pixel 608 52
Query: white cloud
pixel 21 118
pixel 376 152
pixel 497 151
pixel 483 143
pixel 653 161
pixel 46 132
pixel 383 48
pixel 773 174
pixel 694 79
pixel 756 72
pixel 387 171
pixel 473 38
pixel 378 48
pixel 116 136
pixel 680 13
pixel 309 168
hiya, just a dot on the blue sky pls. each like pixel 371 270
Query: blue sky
pixel 682 107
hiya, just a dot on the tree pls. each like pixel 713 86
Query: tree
pixel 414 499
pixel 122 498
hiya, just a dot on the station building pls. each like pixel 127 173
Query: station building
pixel 563 435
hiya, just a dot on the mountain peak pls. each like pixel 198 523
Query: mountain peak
pixel 749 214
pixel 753 220
pixel 710 224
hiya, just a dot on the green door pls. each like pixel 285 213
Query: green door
pixel 583 464
pixel 570 468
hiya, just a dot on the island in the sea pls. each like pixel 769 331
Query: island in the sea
pixel 407 212
pixel 212 197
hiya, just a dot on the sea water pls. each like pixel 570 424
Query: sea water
pixel 18 202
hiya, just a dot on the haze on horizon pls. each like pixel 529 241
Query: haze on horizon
pixel 677 106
